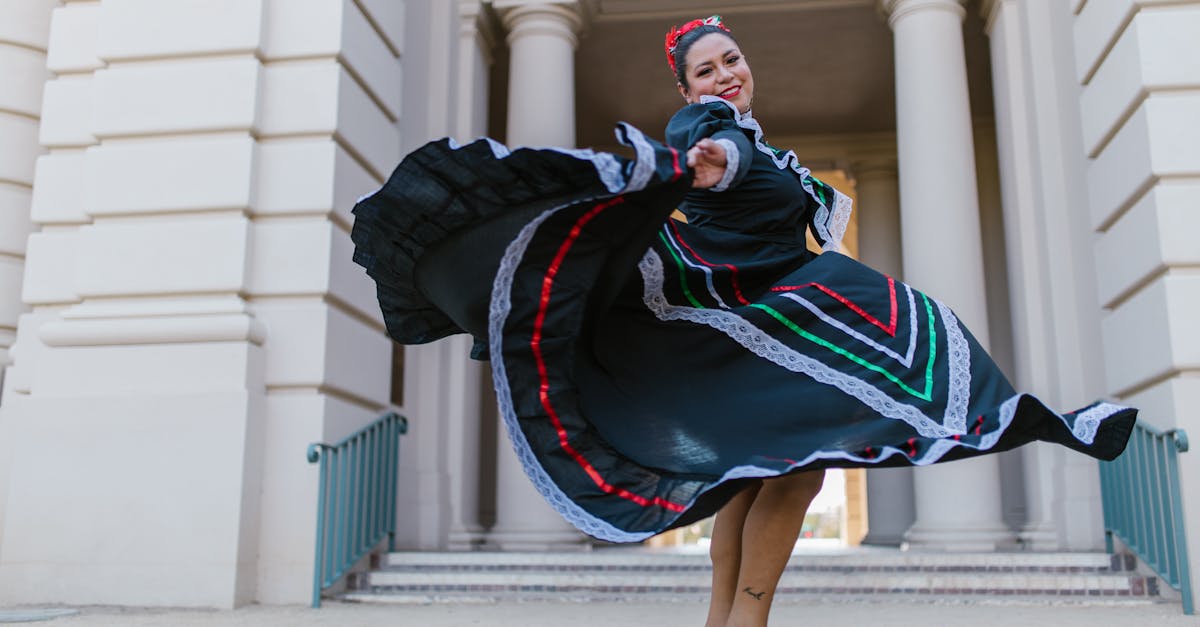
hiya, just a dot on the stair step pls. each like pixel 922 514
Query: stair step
pixel 472 597
pixel 890 561
pixel 617 574
pixel 798 582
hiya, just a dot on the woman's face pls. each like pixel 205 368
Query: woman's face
pixel 716 67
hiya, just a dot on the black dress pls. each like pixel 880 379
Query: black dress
pixel 647 368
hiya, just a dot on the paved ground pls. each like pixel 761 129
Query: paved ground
pixel 547 614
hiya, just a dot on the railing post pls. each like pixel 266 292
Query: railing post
pixel 1142 505
pixel 1185 578
pixel 356 498
pixel 314 455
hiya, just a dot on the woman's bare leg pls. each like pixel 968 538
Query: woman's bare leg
pixel 726 554
pixel 768 534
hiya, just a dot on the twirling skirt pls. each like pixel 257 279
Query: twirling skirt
pixel 646 369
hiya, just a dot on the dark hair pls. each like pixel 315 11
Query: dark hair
pixel 685 44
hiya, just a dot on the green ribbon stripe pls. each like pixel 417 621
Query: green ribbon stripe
pixel 682 271
pixel 926 396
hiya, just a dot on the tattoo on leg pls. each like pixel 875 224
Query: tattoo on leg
pixel 757 595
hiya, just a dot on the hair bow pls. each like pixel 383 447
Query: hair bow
pixel 675 34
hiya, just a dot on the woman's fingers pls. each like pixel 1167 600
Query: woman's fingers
pixel 707 160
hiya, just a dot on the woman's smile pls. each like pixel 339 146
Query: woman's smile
pixel 716 67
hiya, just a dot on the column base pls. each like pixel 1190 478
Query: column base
pixel 466 539
pixel 538 541
pixel 1039 537
pixel 883 539
pixel 959 540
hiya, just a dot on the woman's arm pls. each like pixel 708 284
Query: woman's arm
pixel 708 162
pixel 718 150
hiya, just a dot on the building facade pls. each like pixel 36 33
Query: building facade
pixel 179 315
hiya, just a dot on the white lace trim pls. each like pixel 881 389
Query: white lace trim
pixel 501 305
pixel 1088 422
pixel 764 345
pixel 830 224
pixel 499 150
pixel 935 452
pixel 643 168
pixel 958 353
pixel 905 361
pixel 839 219
pixel 368 195
pixel 732 160
pixel 608 167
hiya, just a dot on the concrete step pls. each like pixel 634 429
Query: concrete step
pixel 615 574
pixel 847 560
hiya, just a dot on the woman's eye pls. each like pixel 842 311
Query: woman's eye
pixel 732 60
pixel 703 72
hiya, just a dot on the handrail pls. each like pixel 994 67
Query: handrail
pixel 356 502
pixel 1143 507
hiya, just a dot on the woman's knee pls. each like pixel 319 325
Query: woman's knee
pixel 725 551
pixel 800 484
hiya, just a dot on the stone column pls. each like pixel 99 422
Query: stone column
pixel 1025 240
pixel 890 507
pixel 541 112
pixel 476 39
pixel 877 183
pixel 542 37
pixel 958 507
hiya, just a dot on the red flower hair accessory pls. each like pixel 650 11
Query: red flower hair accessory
pixel 675 33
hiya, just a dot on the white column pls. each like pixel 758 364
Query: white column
pixel 877 184
pixel 958 506
pixel 542 37
pixel 197 321
pixel 24 33
pixel 541 112
pixel 1025 241
pixel 890 509
pixel 476 39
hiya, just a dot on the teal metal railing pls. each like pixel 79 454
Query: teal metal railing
pixel 356 503
pixel 1142 506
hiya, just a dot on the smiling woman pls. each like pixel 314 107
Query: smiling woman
pixel 712 64
pixel 652 372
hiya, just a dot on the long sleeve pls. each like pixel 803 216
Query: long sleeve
pixel 715 120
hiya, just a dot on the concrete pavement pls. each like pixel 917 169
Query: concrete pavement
pixel 928 613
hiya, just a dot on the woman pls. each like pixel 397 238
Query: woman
pixel 650 372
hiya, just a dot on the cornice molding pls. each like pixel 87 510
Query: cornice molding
pixel 896 10
pixel 514 14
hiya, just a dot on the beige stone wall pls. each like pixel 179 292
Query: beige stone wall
pixel 24 32
pixel 1139 66
pixel 197 320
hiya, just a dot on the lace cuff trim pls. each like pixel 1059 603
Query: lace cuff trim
pixel 732 160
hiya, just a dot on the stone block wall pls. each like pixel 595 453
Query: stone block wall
pixel 1138 62
pixel 196 319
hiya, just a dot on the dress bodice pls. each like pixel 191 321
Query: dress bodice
pixel 767 202
pixel 765 193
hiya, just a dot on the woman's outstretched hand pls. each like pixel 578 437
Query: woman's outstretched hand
pixel 707 161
